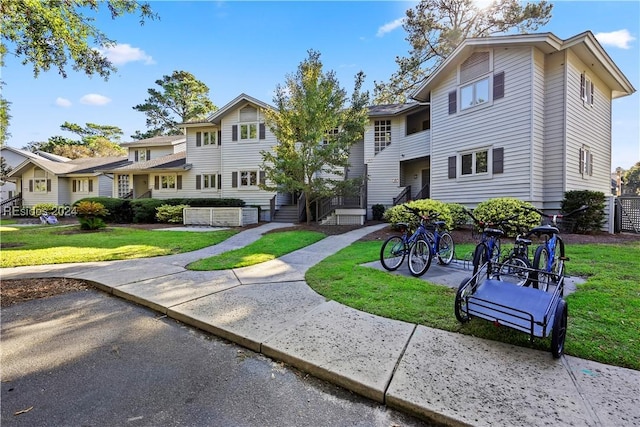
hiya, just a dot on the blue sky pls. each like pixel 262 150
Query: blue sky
pixel 250 47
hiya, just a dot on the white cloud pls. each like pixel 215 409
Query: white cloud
pixel 620 38
pixel 63 102
pixel 94 99
pixel 389 26
pixel 120 54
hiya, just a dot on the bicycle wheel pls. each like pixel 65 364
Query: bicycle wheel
pixel 419 257
pixel 559 330
pixel 540 263
pixel 558 260
pixel 479 257
pixel 393 252
pixel 495 251
pixel 515 269
pixel 446 248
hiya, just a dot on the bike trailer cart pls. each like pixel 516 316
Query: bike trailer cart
pixel 496 298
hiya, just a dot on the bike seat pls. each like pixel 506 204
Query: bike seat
pixel 545 229
pixel 402 225
pixel 523 241
pixel 493 232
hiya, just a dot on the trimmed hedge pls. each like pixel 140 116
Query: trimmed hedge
pixel 120 211
pixel 501 208
pixel 398 214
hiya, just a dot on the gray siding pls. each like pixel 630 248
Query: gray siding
pixel 32 198
pixel 383 169
pixel 590 126
pixel 554 156
pixel 538 170
pixel 206 159
pixel 504 123
pixel 356 160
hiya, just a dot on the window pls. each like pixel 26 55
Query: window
pixel 381 135
pixel 209 181
pixel 39 180
pixel 206 138
pixel 474 163
pixel 248 131
pixel 142 155
pixel 248 178
pixel 81 186
pixel 123 186
pixel 586 161
pixel 586 90
pixel 330 135
pixel 168 181
pixel 474 94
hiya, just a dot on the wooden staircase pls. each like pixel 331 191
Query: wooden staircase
pixel 287 213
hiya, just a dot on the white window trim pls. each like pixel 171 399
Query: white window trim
pixel 473 83
pixel 39 188
pixel 82 186
pixel 142 155
pixel 248 186
pixel 214 187
pixel 475 176
pixel 390 135
pixel 168 189
pixel 588 92
pixel 211 140
pixel 248 124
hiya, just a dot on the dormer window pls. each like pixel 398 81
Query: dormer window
pixel 478 84
pixel 248 127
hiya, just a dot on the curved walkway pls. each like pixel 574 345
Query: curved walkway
pixel 446 377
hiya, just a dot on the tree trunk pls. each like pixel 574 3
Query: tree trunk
pixel 307 205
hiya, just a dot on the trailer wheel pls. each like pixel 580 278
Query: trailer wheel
pixel 559 331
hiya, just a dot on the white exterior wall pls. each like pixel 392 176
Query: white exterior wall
pixel 31 198
pixel 590 126
pixel 105 186
pixel 243 155
pixel 383 168
pixel 554 131
pixel 206 159
pixel 356 160
pixel 414 146
pixel 537 164
pixel 505 123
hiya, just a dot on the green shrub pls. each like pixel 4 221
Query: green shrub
pixel 170 214
pixel 119 209
pixel 398 213
pixel 377 212
pixel 501 208
pixel 590 220
pixel 144 210
pixel 460 218
pixel 91 214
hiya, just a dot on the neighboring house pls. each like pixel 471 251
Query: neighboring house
pixel 41 180
pixel 12 158
pixel 156 168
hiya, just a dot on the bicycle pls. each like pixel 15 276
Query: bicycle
pixel 488 250
pixel 516 266
pixel 440 240
pixel 549 258
pixel 396 248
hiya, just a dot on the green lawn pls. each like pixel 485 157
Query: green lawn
pixel 604 314
pixel 39 245
pixel 268 247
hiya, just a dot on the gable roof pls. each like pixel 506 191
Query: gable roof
pixel 240 99
pixel 170 162
pixel 584 45
pixel 157 141
pixel 84 166
pixel 387 110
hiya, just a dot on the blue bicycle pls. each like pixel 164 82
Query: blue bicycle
pixel 549 258
pixel 414 245
pixel 440 240
pixel 488 250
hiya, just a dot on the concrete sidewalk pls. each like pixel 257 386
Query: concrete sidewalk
pixel 446 377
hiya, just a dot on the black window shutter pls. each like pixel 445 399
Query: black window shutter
pixel 179 182
pixel 581 163
pixel 90 186
pixel 263 179
pixel 498 160
pixel 198 184
pixel 452 167
pixel 262 131
pixel 234 132
pixel 591 100
pixel 148 155
pixel 582 82
pixel 452 102
pixel 74 187
pixel 48 185
pixel 498 85
pixel 30 186
pixel 219 137
pixel 234 179
pixel 590 164
pixel 156 183
pixel 219 181
pixel 198 139
pixel 136 156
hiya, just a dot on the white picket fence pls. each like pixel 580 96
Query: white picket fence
pixel 220 217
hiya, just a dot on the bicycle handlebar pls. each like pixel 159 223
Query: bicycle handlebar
pixel 556 216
